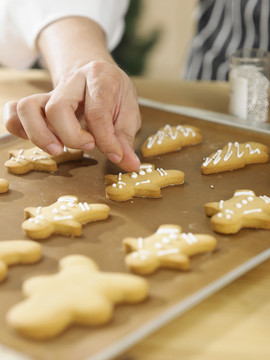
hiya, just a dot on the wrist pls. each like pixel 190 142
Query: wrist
pixel 70 43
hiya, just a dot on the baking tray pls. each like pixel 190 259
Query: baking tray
pixel 171 292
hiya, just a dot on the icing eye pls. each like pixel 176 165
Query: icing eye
pixel 244 202
pixel 238 205
pixel 250 198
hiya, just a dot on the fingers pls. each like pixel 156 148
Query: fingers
pixel 112 114
pixel 106 96
pixel 61 115
pixel 31 114
pixel 12 121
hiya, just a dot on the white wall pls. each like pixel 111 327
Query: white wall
pixel 174 17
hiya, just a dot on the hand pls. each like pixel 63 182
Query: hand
pixel 100 91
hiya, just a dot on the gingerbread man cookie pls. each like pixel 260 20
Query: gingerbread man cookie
pixel 146 182
pixel 171 138
pixel 64 217
pixel 4 185
pixel 17 252
pixel 78 294
pixel 168 247
pixel 235 156
pixel 22 161
pixel 244 209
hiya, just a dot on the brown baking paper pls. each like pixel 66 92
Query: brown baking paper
pixel 102 240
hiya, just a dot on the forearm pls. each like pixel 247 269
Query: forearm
pixel 71 43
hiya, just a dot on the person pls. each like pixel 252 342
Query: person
pixel 74 39
pixel 93 102
pixel 224 26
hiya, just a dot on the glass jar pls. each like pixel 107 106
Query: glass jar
pixel 249 84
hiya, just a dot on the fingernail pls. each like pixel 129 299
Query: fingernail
pixel 114 158
pixel 54 149
pixel 88 146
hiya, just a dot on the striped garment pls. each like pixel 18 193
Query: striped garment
pixel 224 26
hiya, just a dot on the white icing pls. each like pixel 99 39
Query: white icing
pixel 142 182
pixel 265 198
pixel 235 147
pixel 252 211
pixel 162 172
pixel 168 132
pixel 168 231
pixel 60 218
pixel 189 238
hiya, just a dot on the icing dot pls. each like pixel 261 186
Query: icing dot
pixel 158 245
pixel 165 240
pixel 238 205
pixel 63 207
pixel 228 216
pixel 114 185
pixel 244 202
pixel 141 172
pixel 134 175
pixel 250 198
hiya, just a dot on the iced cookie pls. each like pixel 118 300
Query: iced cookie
pixel 4 185
pixel 168 247
pixel 78 294
pixel 146 182
pixel 243 210
pixel 64 217
pixel 171 138
pixel 17 252
pixel 22 161
pixel 235 156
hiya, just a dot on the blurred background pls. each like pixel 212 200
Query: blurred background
pixel 156 39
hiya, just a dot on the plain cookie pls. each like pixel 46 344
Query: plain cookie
pixel 78 294
pixel 4 185
pixel 17 252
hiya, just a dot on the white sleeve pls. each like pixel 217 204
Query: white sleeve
pixel 22 20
